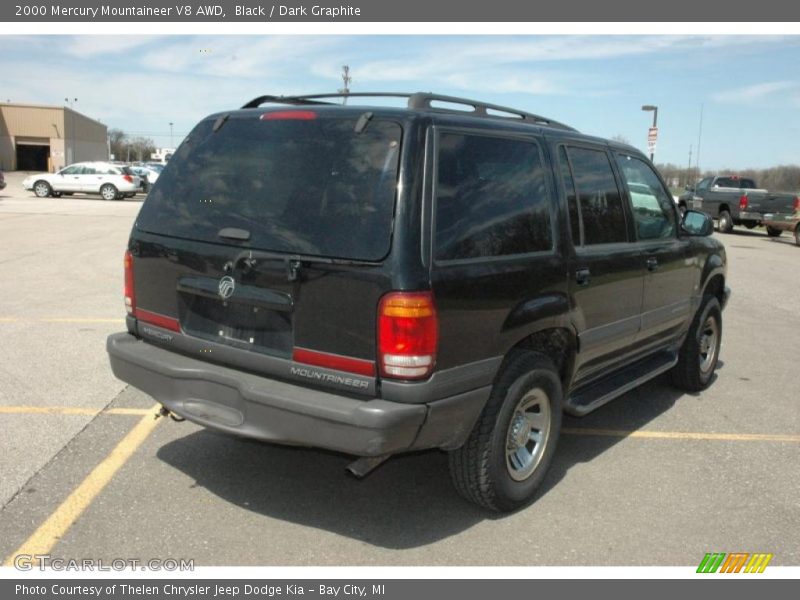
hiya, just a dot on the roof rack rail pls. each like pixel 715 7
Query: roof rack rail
pixel 422 101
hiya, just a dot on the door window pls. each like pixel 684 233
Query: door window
pixel 653 212
pixel 599 202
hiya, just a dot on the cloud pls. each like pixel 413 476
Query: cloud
pixel 90 46
pixel 757 92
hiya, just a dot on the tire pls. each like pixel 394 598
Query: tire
pixel 108 192
pixel 42 189
pixel 797 236
pixel 487 470
pixel 699 354
pixel 772 232
pixel 725 222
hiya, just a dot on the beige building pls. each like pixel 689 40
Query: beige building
pixel 46 138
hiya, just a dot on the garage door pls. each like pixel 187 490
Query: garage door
pixel 32 153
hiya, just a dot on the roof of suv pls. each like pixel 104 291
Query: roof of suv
pixel 425 102
pixel 440 107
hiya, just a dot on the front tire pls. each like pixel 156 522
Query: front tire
pixel 772 232
pixel 42 189
pixel 699 354
pixel 725 222
pixel 507 455
pixel 108 192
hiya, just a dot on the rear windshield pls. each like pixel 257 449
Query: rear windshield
pixel 312 186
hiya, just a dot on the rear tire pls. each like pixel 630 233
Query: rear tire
pixel 507 455
pixel 108 192
pixel 725 222
pixel 772 232
pixel 699 354
pixel 42 189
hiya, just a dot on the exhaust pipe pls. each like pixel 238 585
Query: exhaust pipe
pixel 365 465
pixel 165 412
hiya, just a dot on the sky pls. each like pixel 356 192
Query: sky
pixel 748 86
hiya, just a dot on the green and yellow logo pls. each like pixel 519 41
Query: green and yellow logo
pixel 735 562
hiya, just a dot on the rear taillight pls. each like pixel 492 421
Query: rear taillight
pixel 743 202
pixel 408 335
pixel 130 294
pixel 128 178
pixel 796 204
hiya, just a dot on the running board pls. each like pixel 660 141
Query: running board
pixel 586 399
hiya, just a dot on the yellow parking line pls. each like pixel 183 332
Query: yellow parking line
pixel 58 523
pixel 684 435
pixel 71 410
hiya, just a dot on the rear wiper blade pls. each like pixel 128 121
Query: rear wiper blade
pixel 293 262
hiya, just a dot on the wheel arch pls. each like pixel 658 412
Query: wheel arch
pixel 559 344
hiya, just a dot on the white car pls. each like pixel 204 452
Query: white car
pixel 112 182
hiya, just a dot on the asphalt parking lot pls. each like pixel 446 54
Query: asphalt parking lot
pixel 657 477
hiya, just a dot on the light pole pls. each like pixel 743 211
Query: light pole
pixel 70 101
pixel 171 143
pixel 654 109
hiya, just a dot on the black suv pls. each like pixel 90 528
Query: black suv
pixel 375 280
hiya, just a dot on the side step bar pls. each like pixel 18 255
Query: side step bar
pixel 586 399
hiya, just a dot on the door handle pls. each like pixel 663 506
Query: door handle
pixel 583 276
pixel 652 263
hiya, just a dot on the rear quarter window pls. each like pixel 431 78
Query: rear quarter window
pixel 491 198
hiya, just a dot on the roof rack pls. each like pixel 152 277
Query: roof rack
pixel 422 101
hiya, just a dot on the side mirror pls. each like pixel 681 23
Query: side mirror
pixel 697 223
pixel 689 188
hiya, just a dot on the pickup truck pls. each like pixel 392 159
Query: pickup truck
pixel 734 200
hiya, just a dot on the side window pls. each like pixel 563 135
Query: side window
pixel 601 210
pixel 87 170
pixel 747 184
pixel 491 198
pixel 726 182
pixel 703 185
pixel 70 170
pixel 652 206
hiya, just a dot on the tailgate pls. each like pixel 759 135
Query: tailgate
pixel 288 313
pixel 267 235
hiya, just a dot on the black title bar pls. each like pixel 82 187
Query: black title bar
pixel 626 11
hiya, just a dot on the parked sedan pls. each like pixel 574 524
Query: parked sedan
pixel 112 182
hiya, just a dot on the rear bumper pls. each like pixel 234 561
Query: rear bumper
pixel 750 216
pixel 254 406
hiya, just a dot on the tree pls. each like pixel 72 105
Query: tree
pixel 142 148
pixel 117 141
pixel 621 139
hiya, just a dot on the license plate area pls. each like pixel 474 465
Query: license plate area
pixel 238 324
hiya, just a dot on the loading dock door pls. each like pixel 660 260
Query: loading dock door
pixel 33 154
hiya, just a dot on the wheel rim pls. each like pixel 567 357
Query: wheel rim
pixel 709 337
pixel 41 190
pixel 108 193
pixel 528 433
